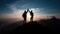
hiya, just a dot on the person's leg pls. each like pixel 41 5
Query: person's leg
pixel 25 20
pixel 31 19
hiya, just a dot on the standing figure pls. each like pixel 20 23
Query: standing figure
pixel 31 13
pixel 24 15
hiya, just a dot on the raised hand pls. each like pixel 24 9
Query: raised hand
pixel 29 11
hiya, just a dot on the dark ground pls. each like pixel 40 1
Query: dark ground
pixel 45 25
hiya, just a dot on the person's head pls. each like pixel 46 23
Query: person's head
pixel 31 10
pixel 25 11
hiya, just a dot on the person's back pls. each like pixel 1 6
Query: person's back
pixel 24 16
pixel 31 13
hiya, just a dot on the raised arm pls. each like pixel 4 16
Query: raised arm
pixel 29 11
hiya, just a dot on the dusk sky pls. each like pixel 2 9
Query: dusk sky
pixel 40 7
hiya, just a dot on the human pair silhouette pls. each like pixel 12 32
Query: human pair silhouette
pixel 25 15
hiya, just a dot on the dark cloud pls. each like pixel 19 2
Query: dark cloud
pixel 50 6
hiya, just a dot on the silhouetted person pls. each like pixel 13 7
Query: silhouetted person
pixel 24 15
pixel 31 13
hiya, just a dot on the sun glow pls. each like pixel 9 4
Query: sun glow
pixel 28 16
pixel 17 13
